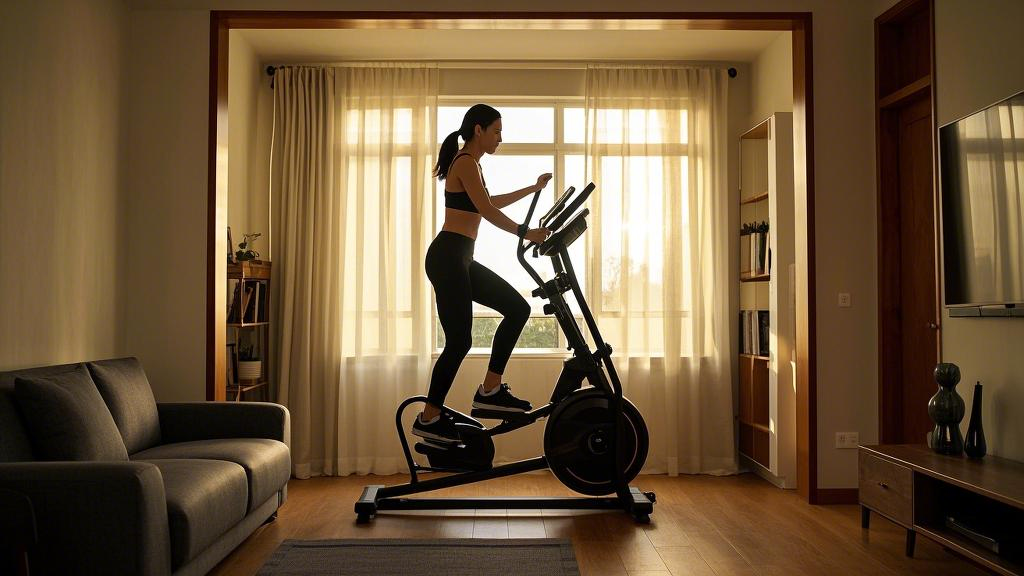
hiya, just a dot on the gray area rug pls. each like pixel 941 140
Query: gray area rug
pixel 448 557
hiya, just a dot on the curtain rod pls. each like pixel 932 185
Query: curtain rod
pixel 507 65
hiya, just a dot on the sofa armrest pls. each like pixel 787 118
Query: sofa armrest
pixel 17 523
pixel 187 421
pixel 94 517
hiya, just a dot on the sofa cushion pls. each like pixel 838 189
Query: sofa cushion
pixel 14 440
pixel 66 417
pixel 123 384
pixel 205 498
pixel 267 463
pixel 14 443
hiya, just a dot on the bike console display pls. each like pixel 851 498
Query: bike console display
pixel 563 214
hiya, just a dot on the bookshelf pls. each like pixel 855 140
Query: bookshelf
pixel 767 317
pixel 248 323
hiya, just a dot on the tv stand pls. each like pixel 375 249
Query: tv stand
pixel 973 507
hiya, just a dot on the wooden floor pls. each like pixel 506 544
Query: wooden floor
pixel 702 525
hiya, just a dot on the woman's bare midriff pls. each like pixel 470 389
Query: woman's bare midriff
pixel 461 222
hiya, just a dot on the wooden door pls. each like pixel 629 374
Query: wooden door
pixel 908 289
pixel 918 303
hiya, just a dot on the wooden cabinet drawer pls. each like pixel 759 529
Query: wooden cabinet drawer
pixel 887 488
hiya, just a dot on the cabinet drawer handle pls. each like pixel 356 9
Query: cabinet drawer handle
pixel 883 485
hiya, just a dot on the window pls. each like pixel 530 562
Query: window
pixel 633 153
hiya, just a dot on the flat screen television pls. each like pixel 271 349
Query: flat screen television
pixel 981 173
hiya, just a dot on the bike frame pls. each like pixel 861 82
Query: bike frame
pixel 594 367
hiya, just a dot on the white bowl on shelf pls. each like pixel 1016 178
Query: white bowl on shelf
pixel 250 369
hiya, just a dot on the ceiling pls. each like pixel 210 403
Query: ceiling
pixel 311 46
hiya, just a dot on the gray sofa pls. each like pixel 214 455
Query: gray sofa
pixel 118 484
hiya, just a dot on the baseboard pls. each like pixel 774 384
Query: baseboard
pixel 755 467
pixel 835 496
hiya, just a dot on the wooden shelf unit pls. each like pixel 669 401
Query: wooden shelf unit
pixel 248 320
pixel 918 489
pixel 755 433
pixel 767 400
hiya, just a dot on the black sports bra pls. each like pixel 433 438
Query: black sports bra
pixel 461 200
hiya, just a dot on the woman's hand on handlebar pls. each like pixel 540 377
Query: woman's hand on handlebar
pixel 542 181
pixel 537 235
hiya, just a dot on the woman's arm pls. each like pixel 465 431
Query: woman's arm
pixel 465 169
pixel 503 200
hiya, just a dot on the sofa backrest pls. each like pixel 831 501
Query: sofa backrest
pixel 125 390
pixel 15 445
pixel 123 384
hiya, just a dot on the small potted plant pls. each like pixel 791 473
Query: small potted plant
pixel 245 251
pixel 250 366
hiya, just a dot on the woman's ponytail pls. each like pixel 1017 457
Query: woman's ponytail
pixel 449 148
pixel 478 115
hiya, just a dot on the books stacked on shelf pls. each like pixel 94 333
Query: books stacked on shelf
pixel 248 303
pixel 754 331
pixel 755 257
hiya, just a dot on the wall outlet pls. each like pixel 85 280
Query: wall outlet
pixel 847 439
pixel 844 300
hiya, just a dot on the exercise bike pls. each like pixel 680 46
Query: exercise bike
pixel 595 440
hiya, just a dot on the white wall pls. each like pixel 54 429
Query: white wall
pixel 771 80
pixel 247 204
pixel 62 232
pixel 166 115
pixel 978 62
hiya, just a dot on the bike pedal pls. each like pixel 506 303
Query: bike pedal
pixel 500 415
pixel 440 444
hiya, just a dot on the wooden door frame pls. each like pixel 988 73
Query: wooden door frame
pixel 890 345
pixel 798 23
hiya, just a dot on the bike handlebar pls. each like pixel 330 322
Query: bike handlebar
pixel 555 216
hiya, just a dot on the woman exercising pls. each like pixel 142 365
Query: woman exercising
pixel 459 280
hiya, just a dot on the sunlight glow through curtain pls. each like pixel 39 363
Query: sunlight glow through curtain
pixel 656 145
pixel 352 213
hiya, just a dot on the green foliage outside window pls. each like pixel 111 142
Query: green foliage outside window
pixel 540 332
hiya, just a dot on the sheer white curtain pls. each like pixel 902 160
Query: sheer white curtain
pixel 656 145
pixel 352 216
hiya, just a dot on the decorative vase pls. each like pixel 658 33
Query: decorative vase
pixel 946 409
pixel 974 444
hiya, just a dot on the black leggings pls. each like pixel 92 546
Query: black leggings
pixel 458 282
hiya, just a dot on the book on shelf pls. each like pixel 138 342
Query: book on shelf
pixel 262 309
pixel 763 326
pixel 235 304
pixel 754 332
pixel 763 254
pixel 745 255
pixel 754 252
pixel 746 339
pixel 249 302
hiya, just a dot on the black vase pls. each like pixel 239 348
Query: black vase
pixel 946 409
pixel 974 444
